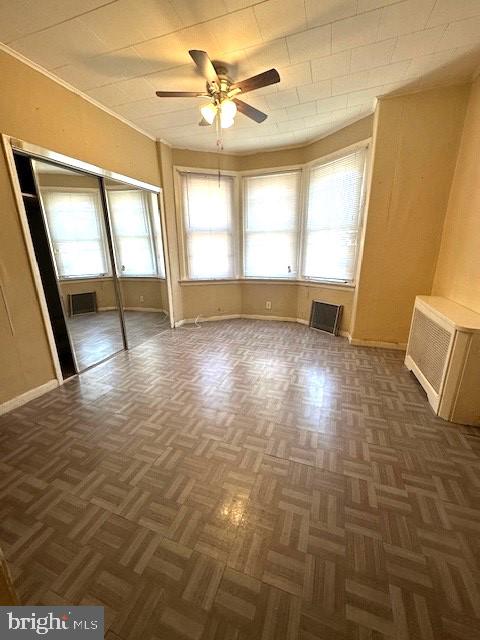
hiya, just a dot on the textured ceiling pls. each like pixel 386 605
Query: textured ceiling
pixel 334 57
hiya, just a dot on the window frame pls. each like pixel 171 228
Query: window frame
pixel 151 236
pixel 239 217
pixel 103 231
pixel 361 215
pixel 180 217
pixel 279 171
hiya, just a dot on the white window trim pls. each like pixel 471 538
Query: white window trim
pixel 239 217
pixel 180 218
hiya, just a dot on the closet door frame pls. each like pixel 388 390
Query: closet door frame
pixel 35 152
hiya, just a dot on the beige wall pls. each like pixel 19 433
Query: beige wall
pixel 416 139
pixel 153 291
pixel 42 112
pixel 458 269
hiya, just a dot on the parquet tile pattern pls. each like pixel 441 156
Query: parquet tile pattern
pixel 246 480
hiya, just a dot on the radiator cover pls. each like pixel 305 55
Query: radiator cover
pixel 443 352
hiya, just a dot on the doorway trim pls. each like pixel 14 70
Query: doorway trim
pixel 11 144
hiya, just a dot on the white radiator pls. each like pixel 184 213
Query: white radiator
pixel 443 352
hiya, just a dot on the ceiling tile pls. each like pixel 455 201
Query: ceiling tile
pixel 315 91
pixel 313 43
pixel 331 66
pixel 388 73
pixel 267 55
pixel 356 31
pixel 278 18
pixel 117 24
pixel 404 17
pixel 234 31
pixel 349 83
pixel 416 44
pixel 22 17
pixel 446 11
pixel 295 75
pixel 302 110
pixel 122 92
pixel 183 78
pixel 372 55
pixel 67 43
pixel 282 99
pixel 171 50
pixel 368 5
pixel 331 104
pixel 461 34
pixel 326 11
pixel 194 11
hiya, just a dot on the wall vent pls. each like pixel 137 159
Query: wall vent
pixel 325 316
pixel 80 303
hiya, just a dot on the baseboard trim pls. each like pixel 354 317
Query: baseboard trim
pixel 398 346
pixel 149 309
pixel 247 316
pixel 23 398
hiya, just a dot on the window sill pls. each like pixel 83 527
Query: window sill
pixel 299 282
pixel 108 277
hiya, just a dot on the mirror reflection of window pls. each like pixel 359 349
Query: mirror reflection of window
pixel 76 232
pixel 136 228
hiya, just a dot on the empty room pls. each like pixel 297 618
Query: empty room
pixel 240 319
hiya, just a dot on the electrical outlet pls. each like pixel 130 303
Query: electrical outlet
pixel 142 299
pixel 268 305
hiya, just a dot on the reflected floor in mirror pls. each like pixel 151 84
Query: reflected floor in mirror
pixel 246 480
pixel 96 336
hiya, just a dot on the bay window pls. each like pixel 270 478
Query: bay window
pixel 209 225
pixel 332 218
pixel 271 224
pixel 302 224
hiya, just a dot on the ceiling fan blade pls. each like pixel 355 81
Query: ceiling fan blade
pixel 180 94
pixel 203 123
pixel 204 64
pixel 257 82
pixel 250 111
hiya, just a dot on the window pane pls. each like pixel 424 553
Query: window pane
pixel 74 223
pixel 132 234
pixel 333 213
pixel 136 256
pixel 208 220
pixel 82 258
pixel 271 224
pixel 209 255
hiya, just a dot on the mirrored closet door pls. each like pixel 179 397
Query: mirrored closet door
pixel 139 256
pixel 82 250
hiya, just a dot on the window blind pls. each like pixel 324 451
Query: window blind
pixel 76 233
pixel 209 225
pixel 271 224
pixel 333 217
pixel 132 233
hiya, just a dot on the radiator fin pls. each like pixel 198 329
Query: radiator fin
pixel 325 316
pixel 428 347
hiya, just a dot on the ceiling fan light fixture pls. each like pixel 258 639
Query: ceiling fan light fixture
pixel 228 109
pixel 225 123
pixel 209 111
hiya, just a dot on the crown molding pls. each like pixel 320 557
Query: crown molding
pixel 51 76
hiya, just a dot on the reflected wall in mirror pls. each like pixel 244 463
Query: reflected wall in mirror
pixel 75 219
pixel 137 237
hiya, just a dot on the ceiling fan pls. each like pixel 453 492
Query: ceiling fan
pixel 222 92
